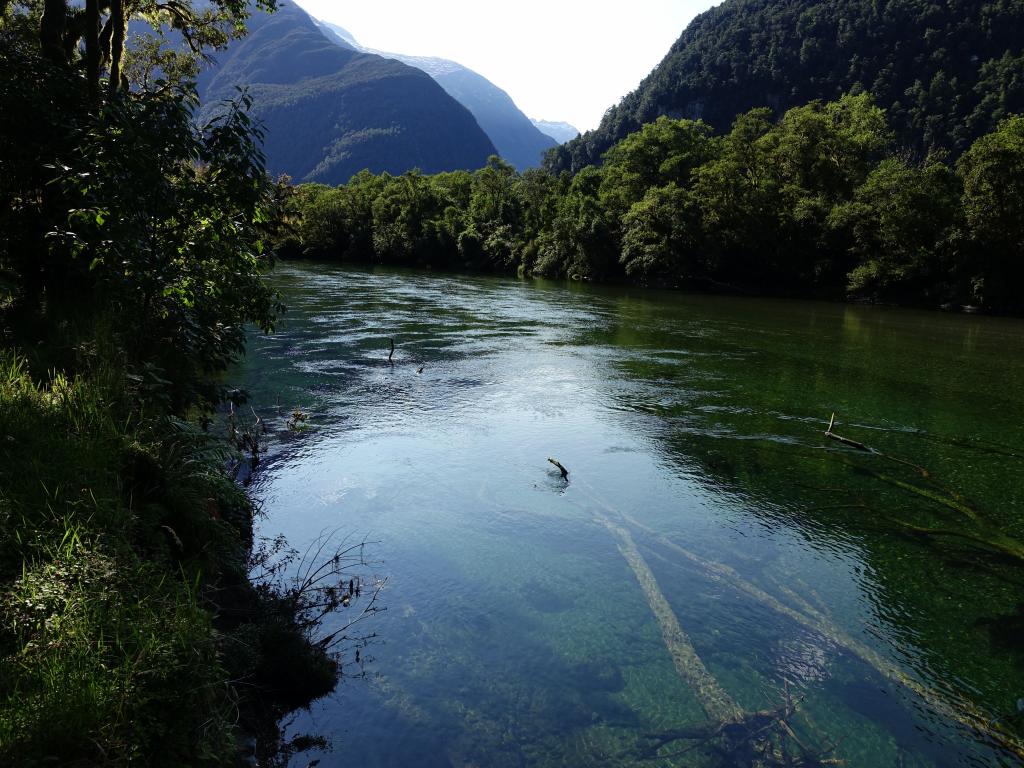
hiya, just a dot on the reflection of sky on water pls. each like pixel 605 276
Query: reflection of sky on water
pixel 515 632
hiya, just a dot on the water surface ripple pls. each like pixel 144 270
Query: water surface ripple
pixel 866 588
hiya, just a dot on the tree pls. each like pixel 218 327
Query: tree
pixel 901 224
pixel 738 204
pixel 538 193
pixel 94 34
pixel 494 214
pixel 660 153
pixel 659 238
pixel 766 199
pixel 125 211
pixel 993 176
pixel 828 149
pixel 581 243
pixel 401 212
pixel 820 153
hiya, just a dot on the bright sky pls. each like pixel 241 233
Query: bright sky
pixel 558 59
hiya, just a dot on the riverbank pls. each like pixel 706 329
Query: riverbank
pixel 130 632
pixel 132 262
pixel 820 204
pixel 696 287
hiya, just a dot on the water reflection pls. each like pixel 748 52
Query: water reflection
pixel 519 634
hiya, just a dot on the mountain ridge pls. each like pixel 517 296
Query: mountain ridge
pixel 516 137
pixel 329 111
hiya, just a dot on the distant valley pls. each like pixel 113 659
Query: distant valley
pixel 519 140
pixel 559 131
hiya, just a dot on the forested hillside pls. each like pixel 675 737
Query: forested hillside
pixel 330 111
pixel 946 72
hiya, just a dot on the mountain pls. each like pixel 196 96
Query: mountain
pixel 518 140
pixel 330 111
pixel 560 132
pixel 945 71
pixel 344 37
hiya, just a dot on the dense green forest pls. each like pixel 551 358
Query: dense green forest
pixel 946 73
pixel 133 242
pixel 819 203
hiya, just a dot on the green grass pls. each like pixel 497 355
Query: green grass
pixel 111 528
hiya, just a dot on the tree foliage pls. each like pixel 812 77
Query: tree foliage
pixel 993 179
pixel 114 204
pixel 133 240
pixel 902 225
pixel 817 203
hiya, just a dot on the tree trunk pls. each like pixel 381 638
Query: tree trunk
pixel 116 45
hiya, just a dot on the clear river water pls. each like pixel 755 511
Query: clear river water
pixel 716 582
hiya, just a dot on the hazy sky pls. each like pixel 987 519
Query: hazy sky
pixel 558 59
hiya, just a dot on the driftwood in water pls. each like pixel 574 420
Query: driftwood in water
pixel 949 497
pixel 986 534
pixel 563 470
pixel 726 717
pixel 844 440
pixel 993 540
pixel 957 709
pixel 762 738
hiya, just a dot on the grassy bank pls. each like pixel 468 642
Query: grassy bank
pixel 133 249
pixel 130 632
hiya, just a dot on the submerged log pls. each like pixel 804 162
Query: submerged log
pixel 724 714
pixel 762 738
pixel 727 720
pixel 716 703
pixel 986 533
pixel 948 498
pixel 956 709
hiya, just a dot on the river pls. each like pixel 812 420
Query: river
pixel 711 551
